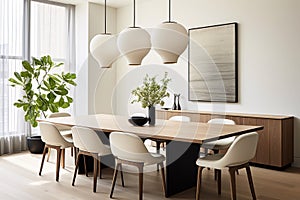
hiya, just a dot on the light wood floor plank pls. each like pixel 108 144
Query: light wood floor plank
pixel 19 179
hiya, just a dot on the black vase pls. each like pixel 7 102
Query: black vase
pixel 178 104
pixel 174 104
pixel 151 113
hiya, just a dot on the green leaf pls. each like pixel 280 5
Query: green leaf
pixel 44 107
pixel 18 76
pixel 61 101
pixel 54 77
pixel 47 85
pixel 71 82
pixel 14 81
pixel 65 105
pixel 51 96
pixel 28 87
pixel 70 100
pixel 34 123
pixel 61 90
pixel 36 61
pixel 45 89
pixel 58 65
pixel 27 66
pixel 52 83
pixel 53 108
pixel 25 74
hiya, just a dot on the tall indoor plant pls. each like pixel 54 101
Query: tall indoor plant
pixel 44 90
pixel 151 93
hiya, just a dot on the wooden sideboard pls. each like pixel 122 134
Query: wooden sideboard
pixel 276 141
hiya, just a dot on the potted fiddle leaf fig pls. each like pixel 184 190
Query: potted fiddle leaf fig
pixel 44 90
pixel 151 93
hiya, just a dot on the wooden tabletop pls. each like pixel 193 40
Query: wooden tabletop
pixel 164 129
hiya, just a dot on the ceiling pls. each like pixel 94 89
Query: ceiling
pixel 111 3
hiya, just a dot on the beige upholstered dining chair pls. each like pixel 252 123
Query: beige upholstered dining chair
pixel 217 145
pixel 129 149
pixel 239 154
pixel 65 131
pixel 90 144
pixel 53 139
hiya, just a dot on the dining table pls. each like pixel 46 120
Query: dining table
pixel 183 140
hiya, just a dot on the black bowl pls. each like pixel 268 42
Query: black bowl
pixel 138 121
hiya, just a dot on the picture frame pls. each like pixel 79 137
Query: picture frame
pixel 213 63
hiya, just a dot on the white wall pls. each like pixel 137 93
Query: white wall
pixel 95 85
pixel 269 52
pixel 101 81
pixel 81 31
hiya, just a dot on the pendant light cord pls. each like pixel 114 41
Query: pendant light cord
pixel 133 13
pixel 169 10
pixel 105 17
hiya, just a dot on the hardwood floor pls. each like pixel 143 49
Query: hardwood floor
pixel 19 179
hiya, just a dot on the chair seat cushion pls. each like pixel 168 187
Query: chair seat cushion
pixel 214 161
pixel 219 144
pixel 156 158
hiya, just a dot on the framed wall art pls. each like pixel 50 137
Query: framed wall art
pixel 213 63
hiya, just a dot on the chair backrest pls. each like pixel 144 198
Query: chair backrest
pixel 60 114
pixel 180 118
pixel 221 121
pixel 128 146
pixel 241 151
pixel 51 135
pixel 87 140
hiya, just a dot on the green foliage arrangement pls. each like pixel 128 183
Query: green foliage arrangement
pixel 43 90
pixel 151 93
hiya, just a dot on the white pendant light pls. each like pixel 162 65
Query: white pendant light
pixel 103 47
pixel 134 42
pixel 169 40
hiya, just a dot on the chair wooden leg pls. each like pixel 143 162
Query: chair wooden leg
pixel 232 171
pixel 71 151
pixel 63 157
pixel 95 173
pixel 122 177
pixel 163 178
pixel 85 168
pixel 75 155
pixel 49 152
pixel 216 174
pixel 250 182
pixel 99 169
pixel 76 168
pixel 140 167
pixel 158 151
pixel 199 182
pixel 58 163
pixel 114 179
pixel 218 171
pixel 43 159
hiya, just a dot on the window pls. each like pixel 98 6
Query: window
pixel 50 33
pixel 11 55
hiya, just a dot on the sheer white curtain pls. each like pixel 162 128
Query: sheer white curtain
pixel 13 129
pixel 52 33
